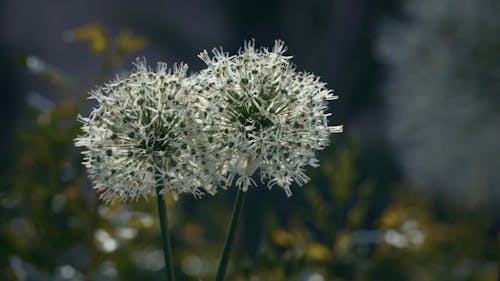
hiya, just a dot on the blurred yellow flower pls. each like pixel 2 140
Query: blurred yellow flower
pixel 94 34
pixel 318 252
pixel 128 43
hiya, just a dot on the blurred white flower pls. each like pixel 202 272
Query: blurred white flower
pixel 264 115
pixel 443 95
pixel 143 133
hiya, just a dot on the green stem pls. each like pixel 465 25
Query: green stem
pixel 498 255
pixel 238 205
pixel 165 234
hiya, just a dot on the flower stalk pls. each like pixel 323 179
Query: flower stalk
pixel 238 206
pixel 165 234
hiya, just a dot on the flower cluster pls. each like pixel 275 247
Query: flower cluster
pixel 265 115
pixel 247 113
pixel 143 134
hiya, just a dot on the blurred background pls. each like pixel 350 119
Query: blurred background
pixel 409 191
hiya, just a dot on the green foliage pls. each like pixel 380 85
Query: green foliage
pixel 337 234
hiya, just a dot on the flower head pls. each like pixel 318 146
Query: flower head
pixel 142 134
pixel 265 115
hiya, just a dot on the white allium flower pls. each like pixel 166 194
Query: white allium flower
pixel 264 115
pixel 144 133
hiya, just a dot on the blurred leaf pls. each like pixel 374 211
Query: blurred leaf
pixel 342 244
pixel 318 252
pixel 128 43
pixel 356 216
pixel 283 237
pixel 95 35
pixel 38 66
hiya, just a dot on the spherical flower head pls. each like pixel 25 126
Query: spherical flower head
pixel 142 135
pixel 265 115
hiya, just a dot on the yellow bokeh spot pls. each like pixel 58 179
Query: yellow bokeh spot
pixel 282 237
pixel 392 217
pixel 342 244
pixel 318 252
pixel 95 35
pixel 128 42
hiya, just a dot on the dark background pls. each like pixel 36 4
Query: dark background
pixel 332 39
